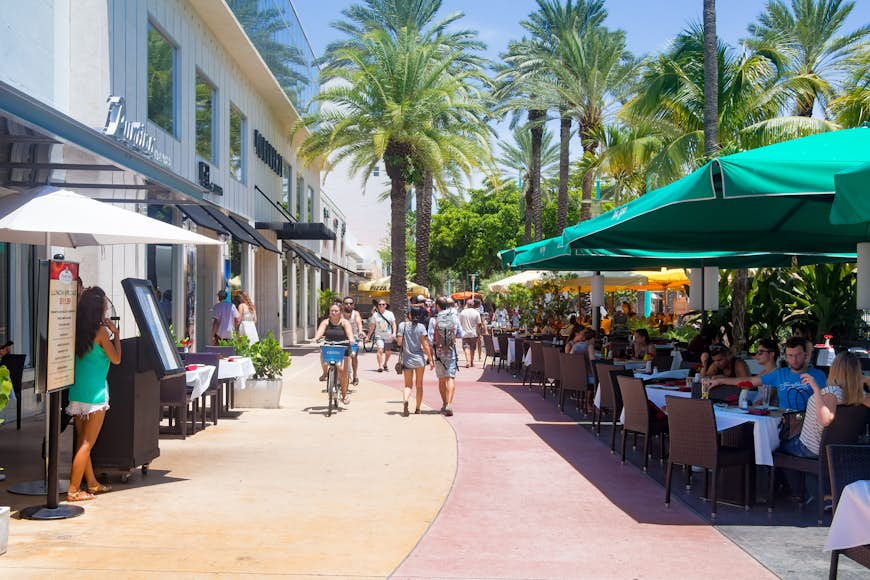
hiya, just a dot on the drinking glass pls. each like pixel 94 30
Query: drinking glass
pixel 705 387
pixel 764 396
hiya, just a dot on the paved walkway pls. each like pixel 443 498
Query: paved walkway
pixel 290 492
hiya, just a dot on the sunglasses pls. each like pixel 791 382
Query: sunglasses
pixel 382 304
pixel 763 351
pixel 348 303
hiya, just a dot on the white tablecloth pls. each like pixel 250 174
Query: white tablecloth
pixel 512 350
pixel 766 430
pixel 851 524
pixel 238 367
pixel 199 379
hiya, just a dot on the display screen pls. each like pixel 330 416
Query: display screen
pixel 152 325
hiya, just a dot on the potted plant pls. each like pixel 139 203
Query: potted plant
pixel 263 390
pixel 241 345
pixel 5 391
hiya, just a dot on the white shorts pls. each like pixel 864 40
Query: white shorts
pixel 380 342
pixel 85 410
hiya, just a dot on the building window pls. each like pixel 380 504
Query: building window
pixel 237 142
pixel 310 204
pixel 205 119
pixel 287 188
pixel 300 195
pixel 161 80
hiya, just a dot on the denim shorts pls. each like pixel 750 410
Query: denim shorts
pixel 446 366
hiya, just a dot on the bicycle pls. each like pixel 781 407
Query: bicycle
pixel 333 354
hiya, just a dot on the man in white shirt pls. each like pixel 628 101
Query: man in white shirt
pixel 472 326
pixel 383 325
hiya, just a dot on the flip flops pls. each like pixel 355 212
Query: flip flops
pixel 80 495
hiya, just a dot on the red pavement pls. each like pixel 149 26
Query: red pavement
pixel 536 496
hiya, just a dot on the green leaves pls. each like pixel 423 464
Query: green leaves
pixel 269 358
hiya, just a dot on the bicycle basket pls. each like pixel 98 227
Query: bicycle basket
pixel 354 347
pixel 332 354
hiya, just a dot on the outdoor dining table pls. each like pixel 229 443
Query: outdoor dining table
pixel 235 367
pixel 850 528
pixel 199 377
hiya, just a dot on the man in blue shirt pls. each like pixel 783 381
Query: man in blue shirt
pixel 793 394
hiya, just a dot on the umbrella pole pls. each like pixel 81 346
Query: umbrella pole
pixel 51 510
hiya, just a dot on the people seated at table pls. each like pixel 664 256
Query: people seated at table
pixel 707 337
pixel 582 341
pixel 845 387
pixel 790 387
pixel 644 349
pixel 766 353
pixel 721 362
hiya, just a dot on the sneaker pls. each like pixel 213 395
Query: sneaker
pixel 448 411
pixel 405 410
pixel 380 370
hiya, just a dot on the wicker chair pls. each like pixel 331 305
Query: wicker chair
pixel 848 424
pixel 847 464
pixel 520 346
pixel 503 350
pixel 552 374
pixel 535 371
pixel 573 378
pixel 227 384
pixel 213 392
pixel 610 399
pixel 638 419
pixel 695 441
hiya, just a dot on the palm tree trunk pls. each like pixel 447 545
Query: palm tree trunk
pixel 711 80
pixel 739 288
pixel 527 210
pixel 424 224
pixel 536 124
pixel 564 150
pixel 589 145
pixel 396 165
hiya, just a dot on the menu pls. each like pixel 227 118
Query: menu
pixel 61 340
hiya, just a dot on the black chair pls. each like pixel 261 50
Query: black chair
pixel 573 378
pixel 695 441
pixel 847 464
pixel 610 398
pixel 491 352
pixel 848 424
pixel 638 418
pixel 536 369
pixel 227 384
pixel 175 395
pixel 552 375
pixel 15 364
pixel 503 350
pixel 213 392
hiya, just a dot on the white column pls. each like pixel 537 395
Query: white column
pixel 305 301
pixel 292 266
pixel 696 282
pixel 711 288
pixel 863 291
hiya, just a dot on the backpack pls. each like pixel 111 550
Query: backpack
pixel 445 334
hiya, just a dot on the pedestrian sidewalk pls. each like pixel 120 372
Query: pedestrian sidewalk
pixel 277 492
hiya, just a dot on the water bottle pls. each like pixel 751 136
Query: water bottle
pixel 743 399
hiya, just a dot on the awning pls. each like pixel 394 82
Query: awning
pixel 202 218
pixel 308 257
pixel 298 230
pixel 340 267
pixel 230 225
pixel 258 237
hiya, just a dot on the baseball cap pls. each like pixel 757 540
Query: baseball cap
pixel 421 298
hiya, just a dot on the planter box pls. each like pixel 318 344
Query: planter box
pixel 259 394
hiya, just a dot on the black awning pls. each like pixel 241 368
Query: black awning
pixel 230 225
pixel 340 267
pixel 298 230
pixel 260 240
pixel 202 218
pixel 309 258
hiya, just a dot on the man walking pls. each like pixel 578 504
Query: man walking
pixel 383 326
pixel 472 327
pixel 353 317
pixel 443 330
pixel 225 318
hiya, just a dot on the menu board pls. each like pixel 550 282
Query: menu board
pixel 152 325
pixel 61 337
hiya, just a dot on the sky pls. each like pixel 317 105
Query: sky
pixel 649 26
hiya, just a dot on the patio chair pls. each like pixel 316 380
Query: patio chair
pixel 610 398
pixel 847 464
pixel 15 364
pixel 695 441
pixel 848 424
pixel 520 347
pixel 227 384
pixel 639 418
pixel 175 395
pixel 503 346
pixel 213 392
pixel 552 374
pixel 573 378
pixel 535 371
pixel 491 352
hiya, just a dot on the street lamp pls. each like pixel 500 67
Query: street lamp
pixel 473 280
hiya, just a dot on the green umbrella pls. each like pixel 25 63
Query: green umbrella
pixel 554 254
pixel 852 200
pixel 771 199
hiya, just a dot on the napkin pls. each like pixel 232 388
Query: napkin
pixel 732 399
pixel 231 359
pixel 685 389
pixel 190 368
pixel 759 412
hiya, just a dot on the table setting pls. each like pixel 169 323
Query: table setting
pixel 198 376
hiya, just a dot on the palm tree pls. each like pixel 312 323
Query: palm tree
pixel 396 97
pixel 804 39
pixel 711 80
pixel 552 22
pixel 851 107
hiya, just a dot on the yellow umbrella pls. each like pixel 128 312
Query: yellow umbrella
pixel 663 279
pixel 381 287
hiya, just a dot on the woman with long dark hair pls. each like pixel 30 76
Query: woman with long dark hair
pixel 416 354
pixel 98 344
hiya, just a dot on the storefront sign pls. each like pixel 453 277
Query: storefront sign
pixel 62 301
pixel 268 154
pixel 133 134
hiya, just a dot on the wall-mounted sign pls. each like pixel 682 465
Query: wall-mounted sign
pixel 268 154
pixel 132 134
pixel 204 174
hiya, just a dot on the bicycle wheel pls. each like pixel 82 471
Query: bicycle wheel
pixel 330 389
pixel 369 345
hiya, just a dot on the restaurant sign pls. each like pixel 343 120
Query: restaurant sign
pixel 132 134
pixel 58 327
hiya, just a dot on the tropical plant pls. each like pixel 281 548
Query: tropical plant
pixel 824 296
pixel 5 389
pixel 326 298
pixel 241 345
pixel 269 358
pixel 401 97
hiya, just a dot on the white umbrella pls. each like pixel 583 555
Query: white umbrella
pixel 527 279
pixel 73 220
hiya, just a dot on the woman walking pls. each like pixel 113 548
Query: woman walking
pixel 412 338
pixel 97 345
pixel 248 318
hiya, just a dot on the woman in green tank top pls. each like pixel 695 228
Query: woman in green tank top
pixel 97 346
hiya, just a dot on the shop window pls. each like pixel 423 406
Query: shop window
pixel 161 80
pixel 300 195
pixel 310 204
pixel 205 119
pixel 237 144
pixel 287 188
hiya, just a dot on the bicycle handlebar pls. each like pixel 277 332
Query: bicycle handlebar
pixel 335 342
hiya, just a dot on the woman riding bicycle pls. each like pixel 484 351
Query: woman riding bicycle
pixel 335 328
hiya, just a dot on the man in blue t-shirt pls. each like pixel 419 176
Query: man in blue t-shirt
pixel 792 392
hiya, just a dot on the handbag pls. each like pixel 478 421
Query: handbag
pixel 400 366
